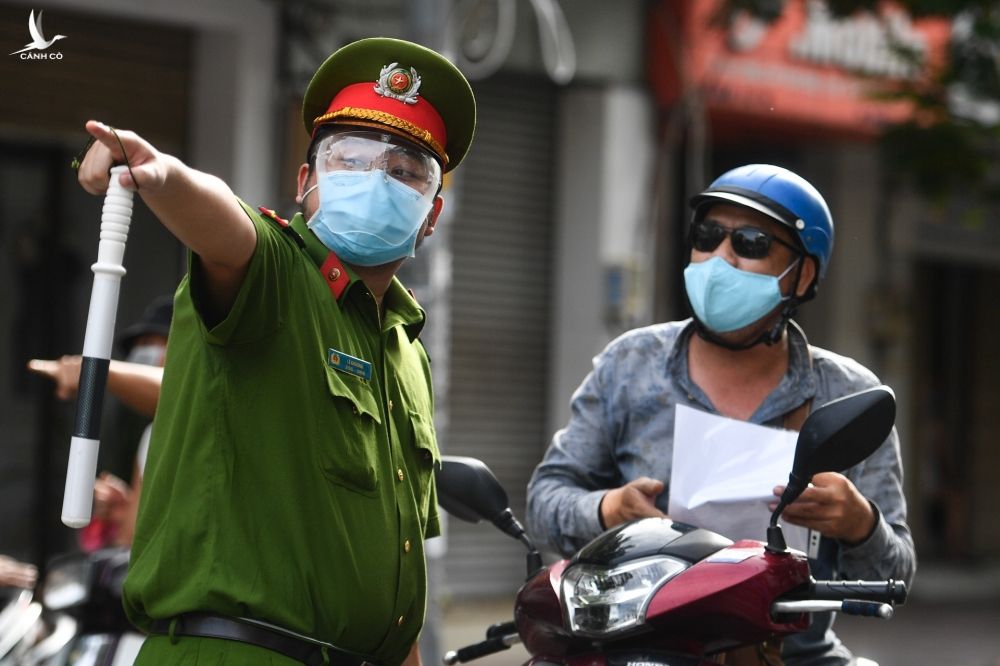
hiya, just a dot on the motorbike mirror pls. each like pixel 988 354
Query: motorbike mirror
pixel 844 432
pixel 468 490
pixel 837 435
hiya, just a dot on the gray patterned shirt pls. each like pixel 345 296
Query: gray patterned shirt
pixel 622 427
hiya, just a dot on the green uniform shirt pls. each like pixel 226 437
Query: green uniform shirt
pixel 278 486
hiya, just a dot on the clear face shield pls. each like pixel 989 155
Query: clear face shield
pixel 364 151
pixel 375 192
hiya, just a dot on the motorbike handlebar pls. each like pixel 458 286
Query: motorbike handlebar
pixel 872 598
pixel 501 629
pixel 497 643
pixel 847 606
pixel 890 591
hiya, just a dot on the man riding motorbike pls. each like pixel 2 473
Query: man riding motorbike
pixel 760 242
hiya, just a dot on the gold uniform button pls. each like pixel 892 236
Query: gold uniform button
pixel 334 274
pixel 399 473
pixel 399 622
pixel 390 405
pixel 406 546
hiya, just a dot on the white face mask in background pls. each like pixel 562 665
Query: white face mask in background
pixel 146 354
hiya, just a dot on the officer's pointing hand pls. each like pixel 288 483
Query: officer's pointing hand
pixel 146 162
pixel 633 500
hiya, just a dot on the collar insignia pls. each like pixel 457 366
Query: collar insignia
pixel 398 83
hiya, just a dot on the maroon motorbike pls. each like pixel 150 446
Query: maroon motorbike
pixel 661 593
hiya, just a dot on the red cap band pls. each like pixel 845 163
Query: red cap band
pixel 418 120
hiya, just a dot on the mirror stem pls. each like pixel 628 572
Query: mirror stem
pixel 534 562
pixel 793 489
pixel 775 537
pixel 507 523
pixel 776 540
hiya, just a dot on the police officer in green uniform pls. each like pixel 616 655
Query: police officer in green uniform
pixel 289 485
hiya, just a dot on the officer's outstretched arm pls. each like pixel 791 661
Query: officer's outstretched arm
pixel 198 208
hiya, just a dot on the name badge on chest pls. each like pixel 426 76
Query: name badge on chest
pixel 352 365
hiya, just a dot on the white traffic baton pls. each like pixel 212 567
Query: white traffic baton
pixel 116 216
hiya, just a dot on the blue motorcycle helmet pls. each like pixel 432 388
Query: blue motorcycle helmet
pixel 783 196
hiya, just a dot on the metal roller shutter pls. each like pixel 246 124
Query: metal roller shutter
pixel 502 249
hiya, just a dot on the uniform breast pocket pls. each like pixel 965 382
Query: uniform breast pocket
pixel 350 435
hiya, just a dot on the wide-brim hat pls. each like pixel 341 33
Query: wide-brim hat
pixel 155 320
pixel 399 87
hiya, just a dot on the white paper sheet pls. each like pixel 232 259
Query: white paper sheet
pixel 723 474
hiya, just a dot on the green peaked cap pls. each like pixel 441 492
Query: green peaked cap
pixel 442 85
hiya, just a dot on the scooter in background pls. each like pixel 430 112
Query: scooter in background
pixel 660 593
pixel 75 618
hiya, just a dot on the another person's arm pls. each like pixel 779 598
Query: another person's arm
pixel 135 384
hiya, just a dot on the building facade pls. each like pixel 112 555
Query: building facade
pixel 563 228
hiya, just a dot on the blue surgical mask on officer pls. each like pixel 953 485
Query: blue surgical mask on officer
pixel 374 196
pixel 368 218
pixel 725 298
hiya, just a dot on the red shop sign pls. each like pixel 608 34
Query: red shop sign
pixel 807 70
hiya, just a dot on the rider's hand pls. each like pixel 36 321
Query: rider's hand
pixel 65 372
pixel 633 500
pixel 832 506
pixel 148 164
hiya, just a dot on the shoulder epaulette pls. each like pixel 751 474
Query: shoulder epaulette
pixel 268 213
pixel 283 223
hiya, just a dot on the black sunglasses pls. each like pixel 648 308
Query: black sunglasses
pixel 748 242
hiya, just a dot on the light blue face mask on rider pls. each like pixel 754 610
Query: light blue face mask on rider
pixel 368 218
pixel 725 299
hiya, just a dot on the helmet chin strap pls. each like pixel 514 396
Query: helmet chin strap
pixel 770 336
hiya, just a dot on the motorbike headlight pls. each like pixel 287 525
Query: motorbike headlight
pixel 600 600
